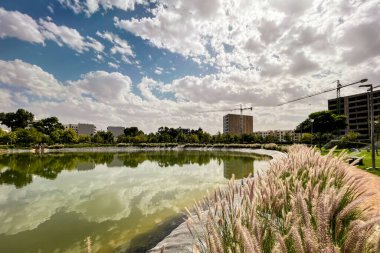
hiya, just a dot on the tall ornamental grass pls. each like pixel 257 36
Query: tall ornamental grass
pixel 305 203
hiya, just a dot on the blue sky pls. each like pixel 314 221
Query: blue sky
pixel 67 64
pixel 151 63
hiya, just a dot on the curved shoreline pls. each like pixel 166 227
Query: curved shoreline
pixel 271 153
pixel 180 239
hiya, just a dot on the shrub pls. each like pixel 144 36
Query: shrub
pixel 122 144
pixel 270 146
pixel 56 146
pixel 305 203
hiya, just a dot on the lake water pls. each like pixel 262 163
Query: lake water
pixel 125 202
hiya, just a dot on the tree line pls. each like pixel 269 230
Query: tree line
pixel 25 131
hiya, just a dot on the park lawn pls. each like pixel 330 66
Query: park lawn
pixel 367 162
pixel 367 159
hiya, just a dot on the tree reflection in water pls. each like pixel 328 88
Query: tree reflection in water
pixel 19 169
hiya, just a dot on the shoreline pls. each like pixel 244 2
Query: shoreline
pixel 180 239
pixel 259 151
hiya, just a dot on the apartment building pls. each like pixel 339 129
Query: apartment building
pixel 237 124
pixel 357 110
pixel 280 135
pixel 116 130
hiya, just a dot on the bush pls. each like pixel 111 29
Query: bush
pixel 305 203
pixel 270 146
pixel 56 146
pixel 122 144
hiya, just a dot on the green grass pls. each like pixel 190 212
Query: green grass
pixel 367 159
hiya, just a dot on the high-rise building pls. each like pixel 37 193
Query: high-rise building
pixel 116 130
pixel 237 124
pixel 356 108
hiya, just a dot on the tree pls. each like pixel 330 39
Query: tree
pixel 322 123
pixel 193 138
pixel 97 138
pixel 206 137
pixel 84 138
pixel 132 131
pixel 48 125
pixel 377 127
pixel 181 137
pixel 69 136
pixel 56 136
pixel 27 137
pixel 103 137
pixel 306 138
pixel 20 119
pixel 352 136
pixel 288 138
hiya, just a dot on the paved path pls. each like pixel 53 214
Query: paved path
pixel 371 185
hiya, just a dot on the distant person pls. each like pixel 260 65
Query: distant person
pixel 377 149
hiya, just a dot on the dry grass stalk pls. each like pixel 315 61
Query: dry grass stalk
pixel 88 245
pixel 305 203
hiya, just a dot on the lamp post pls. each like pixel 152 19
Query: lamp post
pixel 370 89
pixel 311 141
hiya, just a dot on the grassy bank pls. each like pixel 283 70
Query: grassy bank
pixel 364 154
pixel 306 203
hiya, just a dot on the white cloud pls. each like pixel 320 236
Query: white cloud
pixel 51 9
pixel 108 98
pixel 91 6
pixel 264 53
pixel 104 87
pixel 120 46
pixel 27 78
pixel 256 30
pixel 21 26
pixel 113 65
pixel 158 71
pixel 69 36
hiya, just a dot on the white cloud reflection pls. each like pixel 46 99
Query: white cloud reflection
pixel 105 193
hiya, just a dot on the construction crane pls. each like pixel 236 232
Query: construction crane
pixel 241 109
pixel 339 86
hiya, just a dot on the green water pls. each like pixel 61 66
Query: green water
pixel 125 202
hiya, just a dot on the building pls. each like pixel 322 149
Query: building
pixel 280 135
pixel 86 129
pixel 72 126
pixel 237 124
pixel 116 130
pixel 356 108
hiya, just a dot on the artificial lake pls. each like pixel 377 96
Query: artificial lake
pixel 125 202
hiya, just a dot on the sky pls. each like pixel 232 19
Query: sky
pixel 152 63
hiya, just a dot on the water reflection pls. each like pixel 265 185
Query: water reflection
pixel 18 169
pixel 52 202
